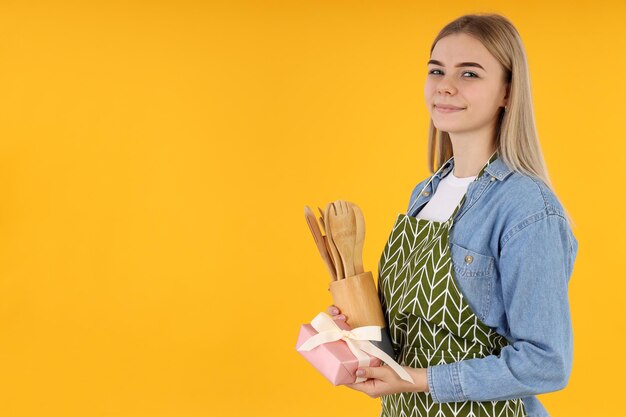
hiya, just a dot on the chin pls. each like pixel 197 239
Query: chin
pixel 443 127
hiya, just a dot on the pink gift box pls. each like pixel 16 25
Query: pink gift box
pixel 334 360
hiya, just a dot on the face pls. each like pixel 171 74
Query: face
pixel 465 86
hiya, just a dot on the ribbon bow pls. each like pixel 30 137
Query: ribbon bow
pixel 358 340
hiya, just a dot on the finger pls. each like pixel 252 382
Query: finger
pixel 333 310
pixel 375 372
pixel 359 386
pixel 365 387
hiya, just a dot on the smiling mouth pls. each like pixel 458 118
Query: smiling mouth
pixel 448 109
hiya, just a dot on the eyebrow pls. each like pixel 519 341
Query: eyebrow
pixel 460 64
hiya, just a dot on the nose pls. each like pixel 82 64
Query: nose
pixel 446 86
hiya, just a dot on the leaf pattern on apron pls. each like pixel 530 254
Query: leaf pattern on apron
pixel 430 321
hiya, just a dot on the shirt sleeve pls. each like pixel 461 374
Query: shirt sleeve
pixel 535 266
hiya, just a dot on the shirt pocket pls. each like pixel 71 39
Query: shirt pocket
pixel 474 273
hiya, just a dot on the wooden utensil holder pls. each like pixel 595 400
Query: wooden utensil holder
pixel 357 298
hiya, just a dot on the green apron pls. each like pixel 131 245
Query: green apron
pixel 429 320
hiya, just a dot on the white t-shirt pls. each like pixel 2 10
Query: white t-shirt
pixel 447 196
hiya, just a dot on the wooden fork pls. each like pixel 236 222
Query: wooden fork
pixel 342 226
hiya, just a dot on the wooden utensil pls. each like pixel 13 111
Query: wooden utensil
pixel 330 256
pixel 325 237
pixel 329 238
pixel 322 222
pixel 359 239
pixel 342 227
pixel 319 240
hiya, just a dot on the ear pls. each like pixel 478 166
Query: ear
pixel 505 100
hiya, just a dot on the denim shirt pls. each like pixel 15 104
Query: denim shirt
pixel 523 254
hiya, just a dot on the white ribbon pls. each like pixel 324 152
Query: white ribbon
pixel 358 340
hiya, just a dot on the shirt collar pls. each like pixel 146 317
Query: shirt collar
pixel 497 169
pixel 445 168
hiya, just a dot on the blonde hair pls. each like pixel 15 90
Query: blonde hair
pixel 516 133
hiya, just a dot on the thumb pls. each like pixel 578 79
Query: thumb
pixel 371 372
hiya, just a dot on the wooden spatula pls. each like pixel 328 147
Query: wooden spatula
pixel 319 240
pixel 322 221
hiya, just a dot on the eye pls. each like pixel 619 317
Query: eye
pixel 473 74
pixel 433 71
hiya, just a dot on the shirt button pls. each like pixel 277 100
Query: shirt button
pixel 493 178
pixel 469 259
pixel 425 193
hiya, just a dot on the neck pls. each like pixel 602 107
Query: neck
pixel 470 154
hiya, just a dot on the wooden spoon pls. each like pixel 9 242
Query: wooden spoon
pixel 342 226
pixel 329 238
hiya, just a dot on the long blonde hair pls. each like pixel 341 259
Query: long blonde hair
pixel 516 133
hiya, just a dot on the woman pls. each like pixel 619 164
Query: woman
pixel 473 280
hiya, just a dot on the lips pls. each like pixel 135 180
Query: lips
pixel 447 108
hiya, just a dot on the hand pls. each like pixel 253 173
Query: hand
pixel 336 313
pixel 382 380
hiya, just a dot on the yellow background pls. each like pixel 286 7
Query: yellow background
pixel 155 159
